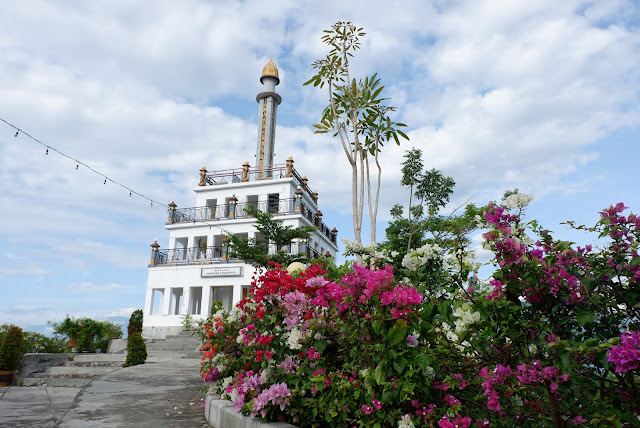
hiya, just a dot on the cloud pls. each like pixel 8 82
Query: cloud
pixel 122 312
pixel 89 287
pixel 525 94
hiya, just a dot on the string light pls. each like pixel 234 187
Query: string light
pixel 78 163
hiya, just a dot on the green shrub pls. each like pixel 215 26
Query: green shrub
pixel 135 322
pixel 10 349
pixel 39 343
pixel 86 333
pixel 136 350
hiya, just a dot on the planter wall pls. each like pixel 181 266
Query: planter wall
pixel 6 377
pixel 220 414
pixel 34 363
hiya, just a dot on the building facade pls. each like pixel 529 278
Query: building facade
pixel 196 268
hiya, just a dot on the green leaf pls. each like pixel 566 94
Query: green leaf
pixel 377 326
pixel 566 360
pixel 399 365
pixel 398 332
pixel 320 345
pixel 379 373
pixel 586 316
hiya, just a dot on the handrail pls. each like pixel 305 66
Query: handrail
pixel 255 174
pixel 234 211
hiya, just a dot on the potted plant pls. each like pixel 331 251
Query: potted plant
pixel 10 354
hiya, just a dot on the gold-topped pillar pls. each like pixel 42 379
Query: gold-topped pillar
pixel 203 175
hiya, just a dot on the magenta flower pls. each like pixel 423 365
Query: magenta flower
pixel 626 356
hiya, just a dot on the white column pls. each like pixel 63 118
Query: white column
pixel 166 301
pixel 186 295
pixel 147 302
pixel 206 300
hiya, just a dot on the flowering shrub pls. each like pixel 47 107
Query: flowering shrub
pixel 551 340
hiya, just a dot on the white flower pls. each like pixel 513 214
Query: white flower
pixel 406 422
pixel 429 373
pixel 517 200
pixel 293 339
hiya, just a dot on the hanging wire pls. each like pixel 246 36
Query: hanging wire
pixel 78 163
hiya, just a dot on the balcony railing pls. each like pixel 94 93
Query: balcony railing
pixel 209 255
pixel 226 211
pixel 254 174
pixel 233 211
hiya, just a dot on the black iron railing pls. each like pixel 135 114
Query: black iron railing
pixel 233 211
pixel 210 255
pixel 227 211
pixel 255 174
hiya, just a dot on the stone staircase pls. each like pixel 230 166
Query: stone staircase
pixel 182 345
pixel 83 368
pixel 77 372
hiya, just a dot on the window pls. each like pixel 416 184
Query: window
pixel 175 304
pixel 273 203
pixel 157 296
pixel 212 206
pixel 195 297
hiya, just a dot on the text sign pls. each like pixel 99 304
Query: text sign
pixel 221 271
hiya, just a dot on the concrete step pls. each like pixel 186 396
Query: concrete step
pixel 63 370
pixel 99 357
pixel 94 363
pixel 62 382
pixel 66 375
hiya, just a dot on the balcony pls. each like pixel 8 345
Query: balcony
pixel 235 211
pixel 246 173
pixel 210 255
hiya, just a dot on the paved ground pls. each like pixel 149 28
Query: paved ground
pixel 159 394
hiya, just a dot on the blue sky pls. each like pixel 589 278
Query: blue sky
pixel 543 96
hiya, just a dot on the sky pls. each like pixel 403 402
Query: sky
pixel 541 96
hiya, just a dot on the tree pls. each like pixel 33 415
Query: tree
pixel 432 191
pixel 275 232
pixel 355 110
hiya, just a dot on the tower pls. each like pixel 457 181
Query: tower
pixel 198 267
pixel 268 102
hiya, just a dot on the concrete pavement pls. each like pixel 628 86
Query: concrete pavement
pixel 155 394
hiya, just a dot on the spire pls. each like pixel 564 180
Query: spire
pixel 268 102
pixel 270 70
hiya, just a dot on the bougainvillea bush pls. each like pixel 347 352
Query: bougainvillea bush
pixel 551 341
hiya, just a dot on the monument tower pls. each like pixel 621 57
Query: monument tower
pixel 268 102
pixel 197 267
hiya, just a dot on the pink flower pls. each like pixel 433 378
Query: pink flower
pixel 451 400
pixel 626 356
pixel 578 420
pixel 458 422
pixel 313 355
pixel 367 410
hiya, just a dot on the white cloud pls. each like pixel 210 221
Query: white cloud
pixel 122 312
pixel 496 95
pixel 89 287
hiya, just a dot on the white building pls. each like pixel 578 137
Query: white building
pixel 197 269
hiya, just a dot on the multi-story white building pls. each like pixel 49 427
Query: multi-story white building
pixel 196 268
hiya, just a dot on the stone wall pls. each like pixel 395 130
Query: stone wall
pixel 220 414
pixel 35 363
